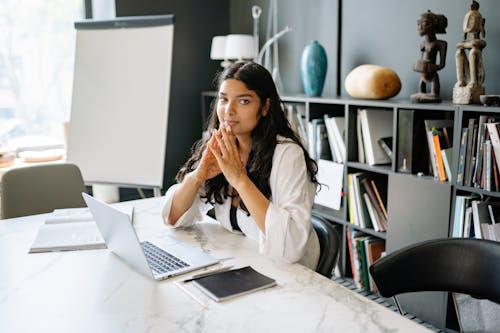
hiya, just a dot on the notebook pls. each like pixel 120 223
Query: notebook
pixel 224 285
pixel 160 258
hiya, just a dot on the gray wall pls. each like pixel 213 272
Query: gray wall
pixel 310 20
pixel 382 32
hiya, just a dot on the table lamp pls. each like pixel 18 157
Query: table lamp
pixel 233 47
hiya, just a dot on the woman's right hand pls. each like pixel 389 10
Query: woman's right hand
pixel 208 167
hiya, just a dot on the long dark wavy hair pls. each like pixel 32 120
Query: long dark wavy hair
pixel 264 140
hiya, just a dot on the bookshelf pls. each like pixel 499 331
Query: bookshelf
pixel 419 206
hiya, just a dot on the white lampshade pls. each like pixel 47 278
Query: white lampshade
pixel 240 47
pixel 218 50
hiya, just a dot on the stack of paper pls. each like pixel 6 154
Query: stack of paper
pixel 69 229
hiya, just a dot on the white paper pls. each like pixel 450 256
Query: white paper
pixel 67 236
pixel 330 175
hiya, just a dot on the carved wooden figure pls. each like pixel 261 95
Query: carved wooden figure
pixel 470 70
pixel 430 24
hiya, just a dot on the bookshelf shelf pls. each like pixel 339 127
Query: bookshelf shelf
pixel 478 191
pixel 385 169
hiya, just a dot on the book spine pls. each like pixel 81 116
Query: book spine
pixel 469 153
pixel 461 157
pixel 374 201
pixel 379 198
pixel 439 158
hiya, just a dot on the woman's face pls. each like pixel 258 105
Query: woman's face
pixel 239 107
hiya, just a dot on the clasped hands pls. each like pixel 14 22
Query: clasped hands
pixel 222 156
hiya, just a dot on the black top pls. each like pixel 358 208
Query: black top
pixel 232 218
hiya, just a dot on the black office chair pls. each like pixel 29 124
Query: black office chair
pixel 41 189
pixel 467 266
pixel 329 243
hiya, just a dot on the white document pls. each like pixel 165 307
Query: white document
pixel 67 236
pixel 70 229
pixel 330 176
pixel 68 215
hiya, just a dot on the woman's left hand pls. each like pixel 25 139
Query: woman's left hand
pixel 228 156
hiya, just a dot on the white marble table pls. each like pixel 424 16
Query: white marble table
pixel 94 291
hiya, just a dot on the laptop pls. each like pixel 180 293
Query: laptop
pixel 160 258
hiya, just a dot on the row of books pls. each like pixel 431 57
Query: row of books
pixel 479 155
pixel 374 136
pixel 364 250
pixel 439 133
pixel 323 137
pixel 424 144
pixel 366 200
pixel 476 218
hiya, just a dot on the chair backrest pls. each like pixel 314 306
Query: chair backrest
pixel 41 189
pixel 329 242
pixel 467 266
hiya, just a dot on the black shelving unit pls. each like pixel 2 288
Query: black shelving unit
pixel 419 206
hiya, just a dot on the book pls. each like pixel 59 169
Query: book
pixel 375 219
pixel 364 220
pixel 495 142
pixel 67 236
pixel 360 245
pixel 467 222
pixel 318 140
pixel 335 127
pixel 481 136
pixel 375 124
pixel 470 148
pixel 434 127
pixel 235 282
pixel 481 219
pixel 350 199
pixel 446 155
pixel 379 198
pixel 359 138
pixel 68 215
pixel 458 223
pixel 461 157
pixel 353 258
pixel 70 229
pixel 412 154
pixel 486 174
pixel 375 204
pixel 374 247
pixel 295 115
pixel 438 156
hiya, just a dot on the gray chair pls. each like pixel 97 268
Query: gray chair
pixel 467 266
pixel 329 243
pixel 41 189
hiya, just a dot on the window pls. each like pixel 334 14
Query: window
pixel 36 70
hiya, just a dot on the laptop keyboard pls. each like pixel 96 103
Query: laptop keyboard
pixel 161 261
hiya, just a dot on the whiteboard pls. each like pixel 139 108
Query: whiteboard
pixel 121 91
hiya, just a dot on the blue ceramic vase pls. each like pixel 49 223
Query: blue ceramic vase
pixel 313 66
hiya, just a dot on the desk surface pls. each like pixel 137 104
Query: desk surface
pixel 94 291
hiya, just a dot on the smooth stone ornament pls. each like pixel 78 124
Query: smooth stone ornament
pixel 372 82
pixel 313 65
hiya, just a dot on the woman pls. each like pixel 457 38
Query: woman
pixel 253 169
